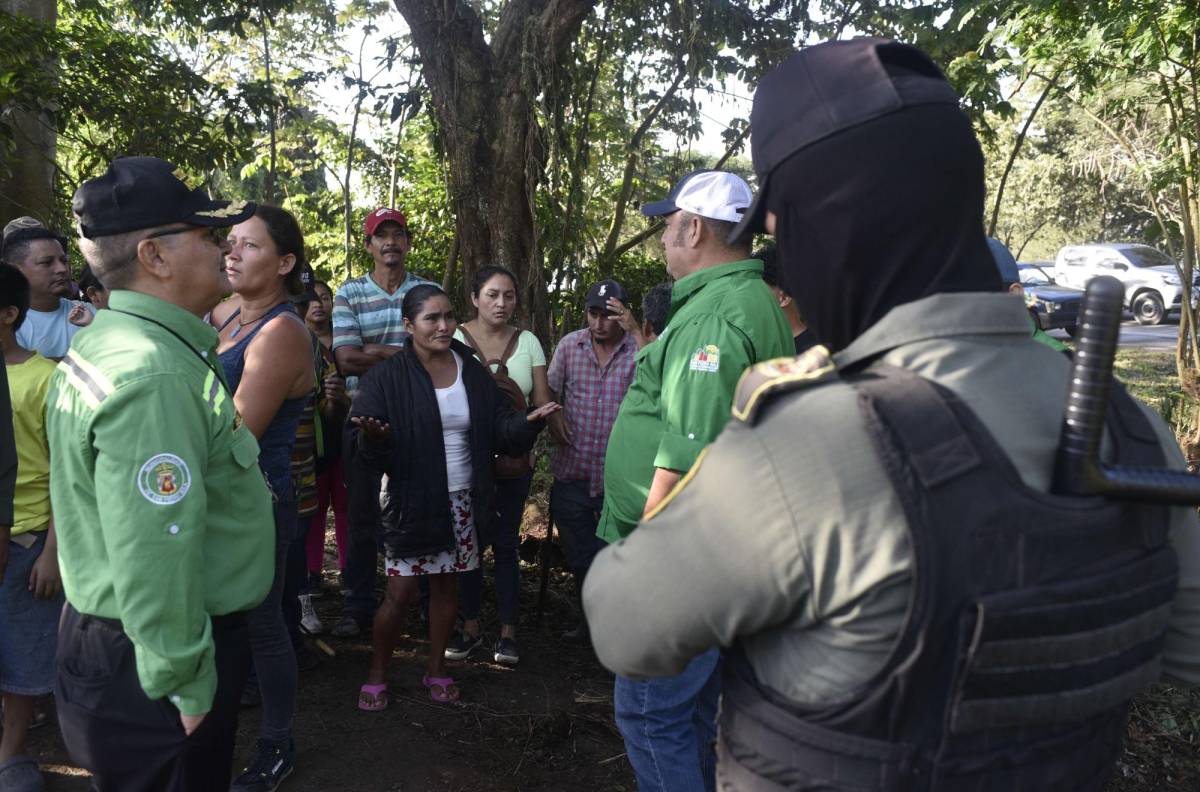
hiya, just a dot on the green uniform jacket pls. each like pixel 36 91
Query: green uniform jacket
pixel 162 513
pixel 722 320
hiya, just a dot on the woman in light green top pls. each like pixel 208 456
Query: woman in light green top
pixel 494 293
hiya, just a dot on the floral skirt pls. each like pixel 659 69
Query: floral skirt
pixel 463 558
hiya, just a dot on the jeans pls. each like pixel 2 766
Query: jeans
pixel 362 548
pixel 270 642
pixel 669 726
pixel 576 514
pixel 503 532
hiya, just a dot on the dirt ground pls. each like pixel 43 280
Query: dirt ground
pixel 544 725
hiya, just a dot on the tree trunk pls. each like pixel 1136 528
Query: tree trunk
pixel 269 189
pixel 27 176
pixel 484 99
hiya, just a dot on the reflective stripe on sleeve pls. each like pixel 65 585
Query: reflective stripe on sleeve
pixel 92 385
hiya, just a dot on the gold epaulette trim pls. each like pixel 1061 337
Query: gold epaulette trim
pixel 766 379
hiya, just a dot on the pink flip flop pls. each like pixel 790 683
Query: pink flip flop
pixel 373 698
pixel 443 690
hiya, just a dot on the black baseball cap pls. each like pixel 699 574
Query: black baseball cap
pixel 307 281
pixel 600 293
pixel 144 192
pixel 826 89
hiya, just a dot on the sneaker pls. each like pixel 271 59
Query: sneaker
pixel 347 627
pixel 506 652
pixel 461 645
pixel 309 621
pixel 272 763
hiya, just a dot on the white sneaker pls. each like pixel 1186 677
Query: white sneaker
pixel 309 622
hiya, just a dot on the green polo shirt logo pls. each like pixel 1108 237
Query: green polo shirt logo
pixel 706 358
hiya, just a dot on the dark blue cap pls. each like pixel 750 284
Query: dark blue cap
pixel 145 192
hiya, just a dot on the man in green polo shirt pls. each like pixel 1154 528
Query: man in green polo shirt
pixel 723 319
pixel 164 521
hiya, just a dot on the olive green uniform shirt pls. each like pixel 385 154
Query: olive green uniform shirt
pixel 722 320
pixel 789 538
pixel 163 516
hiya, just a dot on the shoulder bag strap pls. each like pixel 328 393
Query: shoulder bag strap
pixel 471 343
pixel 502 369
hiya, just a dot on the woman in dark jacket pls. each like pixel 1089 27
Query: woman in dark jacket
pixel 432 418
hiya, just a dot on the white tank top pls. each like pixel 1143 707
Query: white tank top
pixel 456 431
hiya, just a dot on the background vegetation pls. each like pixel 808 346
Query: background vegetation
pixel 526 132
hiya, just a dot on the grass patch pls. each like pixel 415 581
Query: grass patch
pixel 1162 739
pixel 1150 376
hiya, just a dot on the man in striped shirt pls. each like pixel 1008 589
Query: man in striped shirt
pixel 367 323
pixel 368 328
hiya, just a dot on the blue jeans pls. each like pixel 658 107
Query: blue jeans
pixel 670 725
pixel 503 533
pixel 271 647
pixel 576 513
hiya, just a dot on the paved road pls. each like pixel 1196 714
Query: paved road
pixel 1146 337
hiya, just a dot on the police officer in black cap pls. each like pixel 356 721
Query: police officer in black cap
pixel 164 520
pixel 903 602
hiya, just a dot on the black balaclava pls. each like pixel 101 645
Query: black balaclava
pixel 882 214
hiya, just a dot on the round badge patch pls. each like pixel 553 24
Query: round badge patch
pixel 164 479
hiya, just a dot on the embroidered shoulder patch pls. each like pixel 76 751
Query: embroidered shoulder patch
pixel 706 358
pixel 164 479
pixel 762 381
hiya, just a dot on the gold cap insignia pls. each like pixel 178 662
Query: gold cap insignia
pixel 235 208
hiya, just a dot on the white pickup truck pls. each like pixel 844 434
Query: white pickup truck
pixel 1152 286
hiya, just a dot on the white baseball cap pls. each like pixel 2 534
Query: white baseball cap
pixel 717 195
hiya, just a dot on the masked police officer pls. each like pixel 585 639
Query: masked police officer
pixel 165 530
pixel 902 601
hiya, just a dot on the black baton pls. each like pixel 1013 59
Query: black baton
pixel 1077 469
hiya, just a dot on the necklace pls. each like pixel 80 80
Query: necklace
pixel 242 322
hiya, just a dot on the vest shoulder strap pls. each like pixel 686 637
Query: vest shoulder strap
pixel 932 437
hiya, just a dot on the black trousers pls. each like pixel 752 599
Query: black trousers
pixel 132 743
pixel 362 546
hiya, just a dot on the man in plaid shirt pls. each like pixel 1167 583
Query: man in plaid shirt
pixel 589 374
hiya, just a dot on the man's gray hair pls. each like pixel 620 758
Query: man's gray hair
pixel 720 229
pixel 113 259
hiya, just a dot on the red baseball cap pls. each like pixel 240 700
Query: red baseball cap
pixel 384 215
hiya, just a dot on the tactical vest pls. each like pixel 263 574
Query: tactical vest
pixel 1033 620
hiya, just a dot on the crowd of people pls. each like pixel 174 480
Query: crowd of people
pixel 182 432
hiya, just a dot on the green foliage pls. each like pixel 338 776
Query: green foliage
pixel 113 92
pixel 239 95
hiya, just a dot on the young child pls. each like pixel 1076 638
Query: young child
pixel 93 293
pixel 30 587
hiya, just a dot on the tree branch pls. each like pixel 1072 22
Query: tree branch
pixel 1016 149
pixel 631 159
